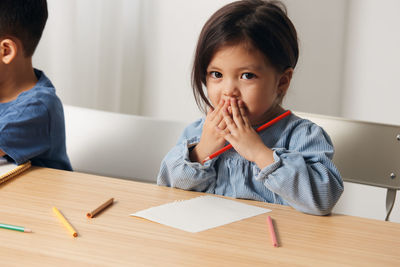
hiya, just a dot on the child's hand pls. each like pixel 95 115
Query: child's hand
pixel 211 140
pixel 243 137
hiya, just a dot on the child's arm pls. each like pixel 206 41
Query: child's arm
pixel 303 174
pixel 25 131
pixel 177 169
pixel 2 153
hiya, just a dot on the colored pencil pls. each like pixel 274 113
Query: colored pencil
pixel 259 129
pixel 65 222
pixel 272 232
pixel 100 208
pixel 15 228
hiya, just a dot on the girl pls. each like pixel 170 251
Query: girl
pixel 245 57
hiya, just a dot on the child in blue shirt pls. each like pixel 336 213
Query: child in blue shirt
pixel 31 115
pixel 243 65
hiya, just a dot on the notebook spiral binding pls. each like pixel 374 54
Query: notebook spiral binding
pixel 19 169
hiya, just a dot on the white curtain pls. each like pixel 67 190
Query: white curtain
pixel 91 50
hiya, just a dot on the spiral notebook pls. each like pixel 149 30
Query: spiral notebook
pixel 9 170
pixel 200 213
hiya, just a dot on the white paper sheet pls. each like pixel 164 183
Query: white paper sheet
pixel 200 213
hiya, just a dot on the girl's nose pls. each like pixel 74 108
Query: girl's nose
pixel 231 89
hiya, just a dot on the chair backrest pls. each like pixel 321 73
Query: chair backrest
pixel 118 145
pixel 365 153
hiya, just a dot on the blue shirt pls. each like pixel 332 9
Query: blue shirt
pixel 302 176
pixel 32 127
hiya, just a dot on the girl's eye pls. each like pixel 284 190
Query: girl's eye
pixel 248 76
pixel 216 74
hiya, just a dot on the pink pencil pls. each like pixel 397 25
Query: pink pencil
pixel 259 129
pixel 272 232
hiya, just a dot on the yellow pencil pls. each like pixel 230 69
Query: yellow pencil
pixel 65 222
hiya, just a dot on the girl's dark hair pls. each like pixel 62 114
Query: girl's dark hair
pixel 263 24
pixel 24 20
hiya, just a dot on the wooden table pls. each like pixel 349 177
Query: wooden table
pixel 115 238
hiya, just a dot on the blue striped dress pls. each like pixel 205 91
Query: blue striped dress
pixel 302 176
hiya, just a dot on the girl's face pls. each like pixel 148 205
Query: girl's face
pixel 241 72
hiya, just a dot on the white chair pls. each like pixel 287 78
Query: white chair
pixel 365 153
pixel 118 145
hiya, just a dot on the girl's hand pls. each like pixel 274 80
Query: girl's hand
pixel 210 140
pixel 243 137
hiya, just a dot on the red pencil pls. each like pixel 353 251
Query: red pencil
pixel 272 232
pixel 259 129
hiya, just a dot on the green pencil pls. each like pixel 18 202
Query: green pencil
pixel 15 228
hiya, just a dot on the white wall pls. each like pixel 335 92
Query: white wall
pixel 318 80
pixel 371 87
pixel 366 201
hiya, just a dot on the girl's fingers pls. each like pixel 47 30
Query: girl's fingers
pixel 222 125
pixel 236 114
pixel 210 110
pixel 219 116
pixel 216 111
pixel 229 138
pixel 222 132
pixel 242 110
pixel 230 124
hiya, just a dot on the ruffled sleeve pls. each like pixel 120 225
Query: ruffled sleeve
pixel 178 171
pixel 303 174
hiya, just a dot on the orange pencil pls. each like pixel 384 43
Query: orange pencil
pixel 272 232
pixel 100 208
pixel 259 129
